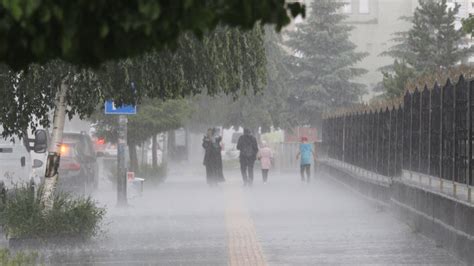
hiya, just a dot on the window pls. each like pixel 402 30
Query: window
pixel 347 7
pixel 364 7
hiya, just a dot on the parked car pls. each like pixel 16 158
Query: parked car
pixel 110 150
pixel 17 165
pixel 78 168
pixel 99 146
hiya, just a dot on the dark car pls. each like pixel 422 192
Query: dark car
pixel 78 168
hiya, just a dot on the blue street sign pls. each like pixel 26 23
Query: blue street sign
pixel 111 109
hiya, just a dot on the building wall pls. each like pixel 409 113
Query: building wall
pixel 374 22
pixel 466 8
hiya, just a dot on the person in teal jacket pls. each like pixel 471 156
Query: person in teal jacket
pixel 306 156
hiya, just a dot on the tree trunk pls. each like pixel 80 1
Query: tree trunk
pixel 144 162
pixel 54 150
pixel 154 155
pixel 132 149
pixel 171 145
pixel 186 143
pixel 257 135
pixel 165 148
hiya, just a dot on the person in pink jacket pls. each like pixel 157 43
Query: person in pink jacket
pixel 265 155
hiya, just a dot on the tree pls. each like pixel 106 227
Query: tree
pixel 400 50
pixel 431 44
pixel 394 82
pixel 322 63
pixel 88 33
pixel 264 109
pixel 267 108
pixel 153 117
pixel 227 60
pixel 468 25
pixel 433 41
pixel 277 90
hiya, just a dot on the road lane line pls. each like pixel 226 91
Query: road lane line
pixel 243 245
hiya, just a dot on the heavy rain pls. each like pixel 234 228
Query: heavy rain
pixel 310 132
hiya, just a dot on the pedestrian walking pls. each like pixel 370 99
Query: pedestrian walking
pixel 247 145
pixel 212 157
pixel 305 154
pixel 265 155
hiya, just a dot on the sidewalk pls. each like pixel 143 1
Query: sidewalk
pixel 285 222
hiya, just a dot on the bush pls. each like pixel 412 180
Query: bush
pixel 231 164
pixel 22 215
pixel 153 175
pixel 20 258
pixel 110 169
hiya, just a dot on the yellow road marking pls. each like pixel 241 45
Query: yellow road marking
pixel 243 245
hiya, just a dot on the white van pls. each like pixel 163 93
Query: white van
pixel 16 163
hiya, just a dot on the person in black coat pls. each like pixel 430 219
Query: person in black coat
pixel 248 147
pixel 212 157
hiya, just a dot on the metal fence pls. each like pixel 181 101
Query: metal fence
pixel 430 132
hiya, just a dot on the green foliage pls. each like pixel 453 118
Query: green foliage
pixel 277 92
pixel 433 40
pixel 269 107
pixel 156 116
pixel 153 175
pixel 208 111
pixel 18 259
pixel 226 61
pixel 231 164
pixel 22 216
pixel 264 109
pixel 468 24
pixel 88 33
pixel 400 50
pixel 440 76
pixel 28 97
pixel 395 82
pixel 153 116
pixel 432 44
pixel 322 63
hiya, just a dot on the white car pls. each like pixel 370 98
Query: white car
pixel 111 150
pixel 16 163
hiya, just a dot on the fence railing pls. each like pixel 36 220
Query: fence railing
pixel 430 132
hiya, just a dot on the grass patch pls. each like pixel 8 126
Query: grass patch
pixel 19 258
pixel 22 215
pixel 231 164
pixel 153 175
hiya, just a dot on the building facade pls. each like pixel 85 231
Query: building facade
pixel 466 8
pixel 375 22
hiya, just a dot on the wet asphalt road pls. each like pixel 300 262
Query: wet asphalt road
pixel 285 222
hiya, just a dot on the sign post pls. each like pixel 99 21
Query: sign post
pixel 121 165
pixel 122 111
pixel 130 176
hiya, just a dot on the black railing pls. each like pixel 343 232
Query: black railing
pixel 429 132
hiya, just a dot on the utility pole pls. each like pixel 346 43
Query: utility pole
pixel 121 167
pixel 122 112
